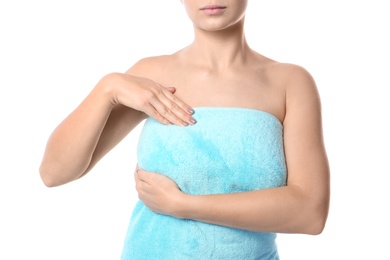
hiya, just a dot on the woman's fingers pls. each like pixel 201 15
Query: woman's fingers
pixel 179 108
pixel 153 99
pixel 152 112
pixel 168 109
pixel 172 111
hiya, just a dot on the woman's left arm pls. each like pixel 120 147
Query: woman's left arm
pixel 299 207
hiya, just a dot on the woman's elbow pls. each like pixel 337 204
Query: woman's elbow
pixel 47 177
pixel 316 228
pixel 49 182
pixel 316 222
pixel 52 177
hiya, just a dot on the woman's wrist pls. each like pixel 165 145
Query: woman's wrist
pixel 108 87
pixel 184 206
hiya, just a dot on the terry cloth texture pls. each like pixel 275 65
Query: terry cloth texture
pixel 228 150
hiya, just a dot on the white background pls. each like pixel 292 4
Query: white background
pixel 52 53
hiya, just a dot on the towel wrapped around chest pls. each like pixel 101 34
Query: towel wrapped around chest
pixel 228 150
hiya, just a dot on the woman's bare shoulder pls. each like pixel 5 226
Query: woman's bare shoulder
pixel 287 71
pixel 297 79
pixel 290 77
pixel 281 73
pixel 149 66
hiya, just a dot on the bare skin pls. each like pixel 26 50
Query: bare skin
pixel 217 69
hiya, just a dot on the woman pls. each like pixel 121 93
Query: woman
pixel 231 152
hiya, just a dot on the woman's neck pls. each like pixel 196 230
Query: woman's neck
pixel 217 50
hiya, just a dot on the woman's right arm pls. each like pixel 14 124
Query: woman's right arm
pixel 115 106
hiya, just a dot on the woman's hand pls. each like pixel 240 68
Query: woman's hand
pixel 153 99
pixel 159 193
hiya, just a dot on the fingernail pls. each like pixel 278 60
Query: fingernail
pixel 185 123
pixel 191 111
pixel 192 120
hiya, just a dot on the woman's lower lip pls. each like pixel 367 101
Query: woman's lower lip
pixel 213 11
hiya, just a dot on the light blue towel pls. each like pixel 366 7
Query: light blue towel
pixel 228 150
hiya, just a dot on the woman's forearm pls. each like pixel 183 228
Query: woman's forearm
pixel 284 210
pixel 71 145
